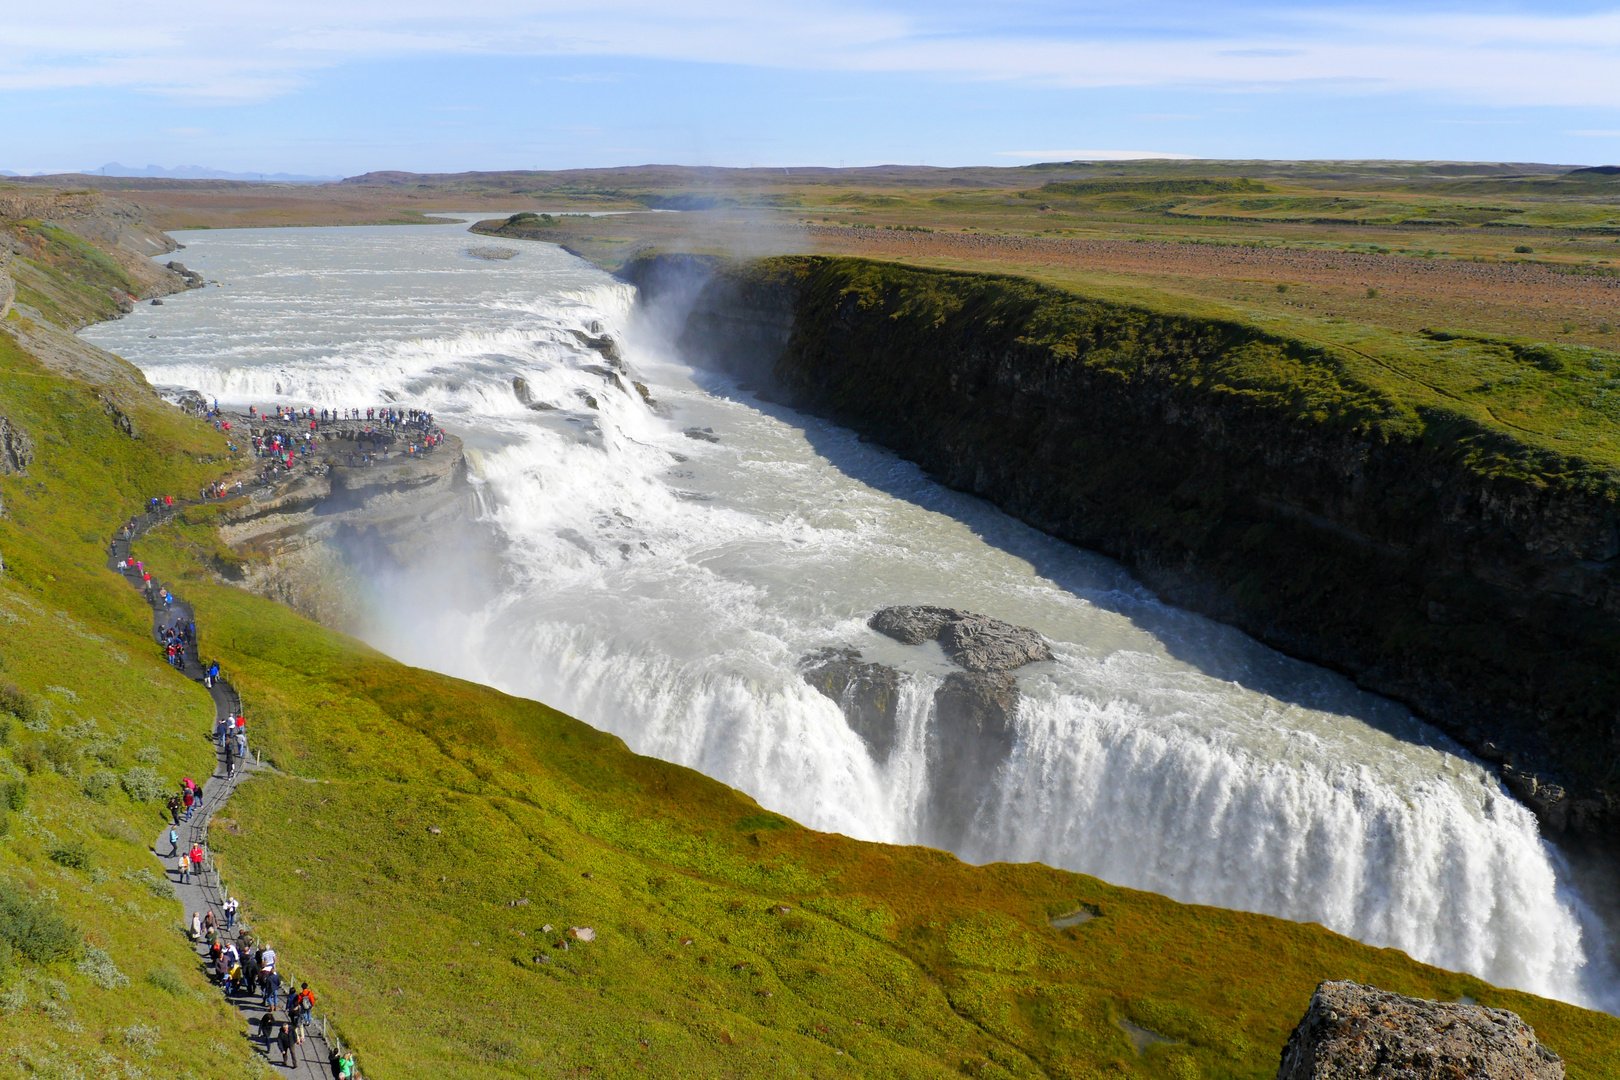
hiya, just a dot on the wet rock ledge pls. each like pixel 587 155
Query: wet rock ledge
pixel 353 510
pixel 971 729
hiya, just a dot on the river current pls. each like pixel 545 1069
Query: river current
pixel 665 588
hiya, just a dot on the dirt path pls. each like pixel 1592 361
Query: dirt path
pixel 203 892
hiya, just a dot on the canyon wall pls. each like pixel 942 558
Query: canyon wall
pixel 1241 474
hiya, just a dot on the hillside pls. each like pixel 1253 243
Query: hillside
pixel 427 842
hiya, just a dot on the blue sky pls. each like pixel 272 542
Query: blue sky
pixel 346 86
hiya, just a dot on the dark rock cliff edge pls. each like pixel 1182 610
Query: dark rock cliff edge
pixel 1486 597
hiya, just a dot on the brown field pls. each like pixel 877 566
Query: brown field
pixel 1296 244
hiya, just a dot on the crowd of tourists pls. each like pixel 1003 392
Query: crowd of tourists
pixel 238 964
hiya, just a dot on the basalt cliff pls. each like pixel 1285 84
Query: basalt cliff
pixel 1245 475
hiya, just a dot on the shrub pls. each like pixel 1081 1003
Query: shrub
pixel 34 930
pixel 1524 249
pixel 166 980
pixel 155 885
pixel 142 1038
pixel 149 755
pixel 1372 294
pixel 98 967
pixel 100 784
pixel 31 759
pixel 13 702
pixel 74 856
pixel 144 785
pixel 1282 288
pixel 16 793
pixel 61 753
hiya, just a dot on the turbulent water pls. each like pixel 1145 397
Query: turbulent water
pixel 665 588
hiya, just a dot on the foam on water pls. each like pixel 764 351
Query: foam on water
pixel 665 589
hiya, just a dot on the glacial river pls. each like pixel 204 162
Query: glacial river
pixel 665 588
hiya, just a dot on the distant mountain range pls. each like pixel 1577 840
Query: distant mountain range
pixel 197 172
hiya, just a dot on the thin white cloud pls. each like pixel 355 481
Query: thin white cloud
pixel 1599 133
pixel 234 50
pixel 1091 155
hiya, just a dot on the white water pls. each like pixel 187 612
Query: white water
pixel 668 601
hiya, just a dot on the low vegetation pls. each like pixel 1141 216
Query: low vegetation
pixel 91 720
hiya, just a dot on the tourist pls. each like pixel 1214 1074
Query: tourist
pixel 182 866
pixel 285 1041
pixel 304 1006
pixel 187 798
pixel 174 840
pixel 272 988
pixel 230 911
pixel 197 861
pixel 174 809
pixel 196 927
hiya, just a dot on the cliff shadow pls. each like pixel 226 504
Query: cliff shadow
pixel 1213 648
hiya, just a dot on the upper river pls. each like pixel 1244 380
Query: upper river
pixel 665 588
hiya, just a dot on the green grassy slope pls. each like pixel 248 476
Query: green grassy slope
pixel 891 961
pixel 92 719
pixel 69 280
pixel 415 814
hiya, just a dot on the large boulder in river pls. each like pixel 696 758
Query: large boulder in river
pixel 976 642
pixel 980 643
pixel 912 624
pixel 1354 1031
pixel 868 694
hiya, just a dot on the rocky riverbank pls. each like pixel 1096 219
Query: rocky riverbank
pixel 357 506
pixel 1239 474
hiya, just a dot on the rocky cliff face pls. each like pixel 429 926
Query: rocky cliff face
pixel 1488 599
pixel 1352 1031
pixel 312 541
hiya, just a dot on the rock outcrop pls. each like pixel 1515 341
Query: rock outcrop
pixel 912 624
pixel 971 731
pixel 309 541
pixel 16 449
pixel 192 279
pixel 868 694
pixel 8 291
pixel 970 739
pixel 976 642
pixel 1355 1032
